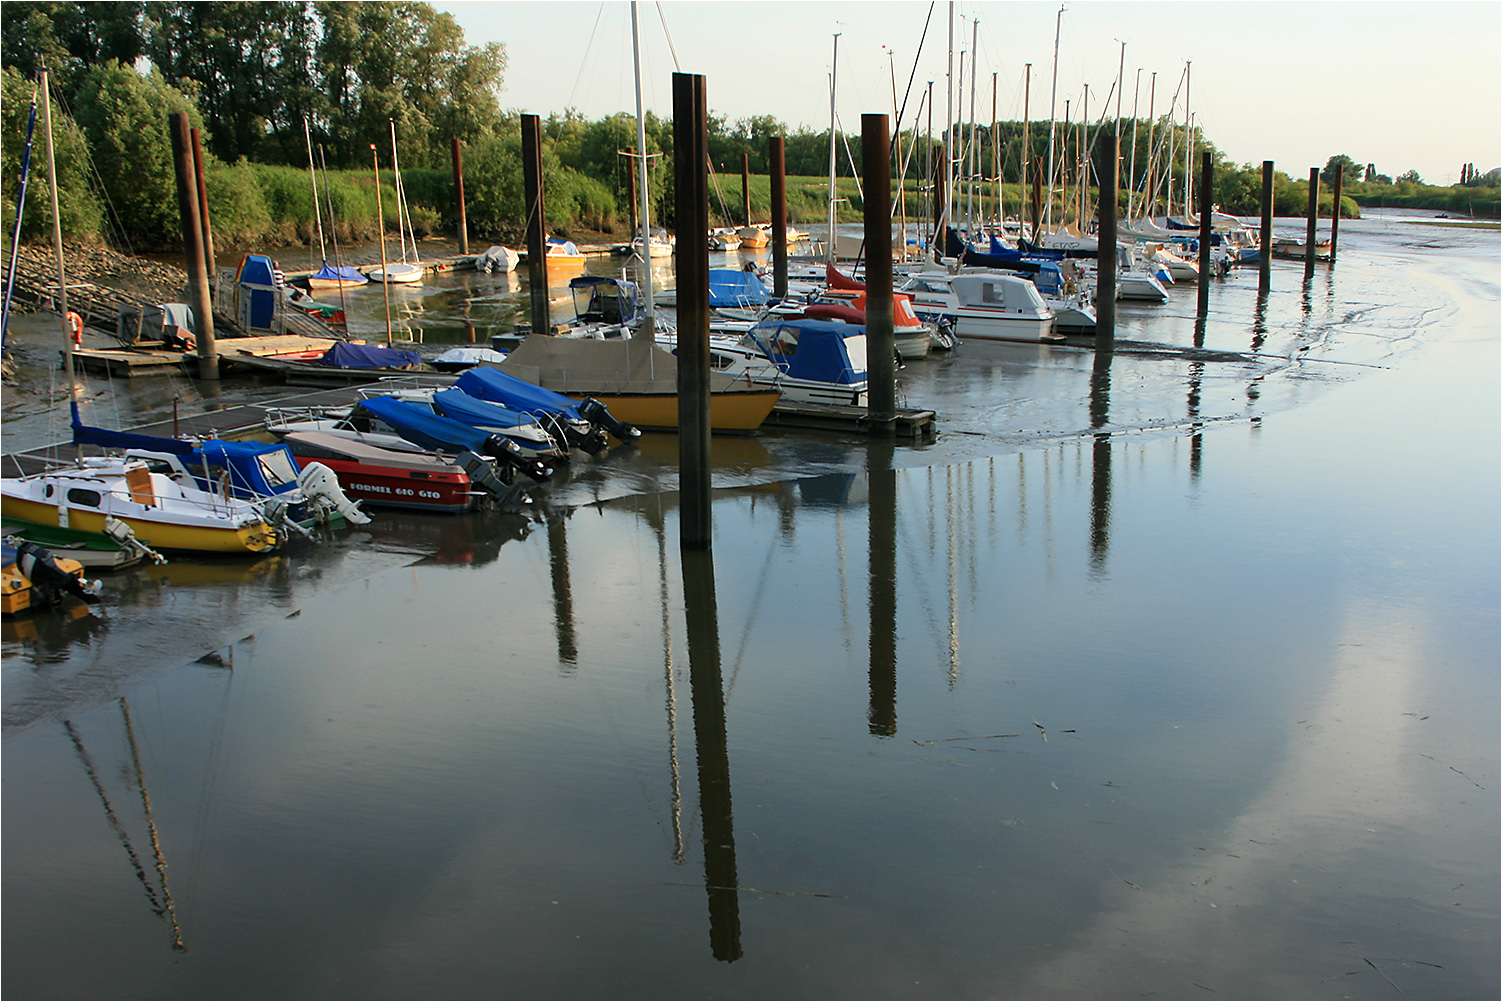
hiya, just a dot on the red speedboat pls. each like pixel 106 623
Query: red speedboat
pixel 393 478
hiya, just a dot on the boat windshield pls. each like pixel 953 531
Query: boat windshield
pixel 278 469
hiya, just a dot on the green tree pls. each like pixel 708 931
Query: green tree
pixel 124 116
pixel 68 38
pixel 78 205
pixel 1350 170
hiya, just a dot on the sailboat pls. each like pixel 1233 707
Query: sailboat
pixel 329 276
pixel 403 271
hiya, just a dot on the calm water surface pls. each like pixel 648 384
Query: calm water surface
pixel 1168 677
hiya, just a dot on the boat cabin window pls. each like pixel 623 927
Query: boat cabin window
pixel 277 468
pixel 47 491
pixel 718 361
pixel 786 343
pixel 83 496
pixel 990 293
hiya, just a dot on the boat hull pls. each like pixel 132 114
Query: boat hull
pixel 385 478
pixel 973 323
pixel 247 538
pixel 91 550
pixel 732 412
pixel 397 274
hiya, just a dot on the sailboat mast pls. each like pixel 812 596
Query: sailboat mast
pixel 830 209
pixel 972 160
pixel 381 229
pixel 1028 153
pixel 313 180
pixel 1053 91
pixel 396 171
pixel 940 230
pixel 57 241
pixel 15 237
pixel 1188 140
pixel 636 53
pixel 1132 158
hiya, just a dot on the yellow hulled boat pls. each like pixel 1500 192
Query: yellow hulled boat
pixel 162 513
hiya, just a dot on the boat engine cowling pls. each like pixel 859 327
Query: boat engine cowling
pixel 509 453
pixel 594 412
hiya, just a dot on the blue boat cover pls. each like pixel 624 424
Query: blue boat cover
pixel 490 383
pixel 821 353
pixel 345 355
pixel 731 287
pixel 257 269
pixel 424 428
pixel 455 403
pixel 243 460
pixel 349 273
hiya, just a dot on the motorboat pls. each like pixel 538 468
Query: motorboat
pixel 754 236
pixel 911 336
pixel 497 258
pixel 659 244
pixel 562 253
pixel 724 239
pixel 378 475
pixel 33 578
pixel 808 360
pixel 986 306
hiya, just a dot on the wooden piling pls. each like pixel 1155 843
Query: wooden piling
pixel 1106 244
pixel 776 167
pixel 193 246
pixel 1335 211
pixel 881 370
pixel 1311 217
pixel 746 190
pixel 464 228
pixel 203 208
pixel 537 233
pixel 1203 285
pixel 1265 236
pixel 692 211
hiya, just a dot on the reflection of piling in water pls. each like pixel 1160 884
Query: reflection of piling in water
pixel 1101 464
pixel 1335 209
pixel 563 600
pixel 882 713
pixel 1197 374
pixel 717 825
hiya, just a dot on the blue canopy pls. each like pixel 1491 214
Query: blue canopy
pixel 820 349
pixel 731 287
pixel 424 428
pixel 455 403
pixel 344 355
pixel 349 274
pixel 256 469
pixel 490 383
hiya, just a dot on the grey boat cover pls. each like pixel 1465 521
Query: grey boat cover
pixel 583 367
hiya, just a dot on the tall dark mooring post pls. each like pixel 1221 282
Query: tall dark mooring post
pixel 1106 244
pixel 746 189
pixel 537 250
pixel 775 166
pixel 692 211
pixel 193 246
pixel 1203 287
pixel 882 394
pixel 1335 209
pixel 203 207
pixel 1311 218
pixel 1265 236
pixel 464 228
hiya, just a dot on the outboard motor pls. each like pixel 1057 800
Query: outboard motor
pixel 483 474
pixel 594 412
pixel 510 454
pixel 565 431
pixel 50 581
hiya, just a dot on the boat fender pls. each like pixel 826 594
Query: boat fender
pixel 75 328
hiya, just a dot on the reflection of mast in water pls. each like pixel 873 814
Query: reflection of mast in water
pixel 675 797
pixel 952 503
pixel 563 602
pixel 703 633
pixel 882 713
pixel 160 905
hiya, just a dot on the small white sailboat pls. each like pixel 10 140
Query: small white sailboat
pixel 404 271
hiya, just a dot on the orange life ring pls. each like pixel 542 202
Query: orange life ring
pixel 75 327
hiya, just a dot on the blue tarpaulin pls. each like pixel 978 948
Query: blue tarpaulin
pixel 455 403
pixel 489 383
pixel 344 355
pixel 424 428
pixel 730 287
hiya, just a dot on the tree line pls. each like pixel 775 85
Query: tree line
pixel 265 81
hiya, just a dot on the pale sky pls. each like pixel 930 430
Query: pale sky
pixel 1409 85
